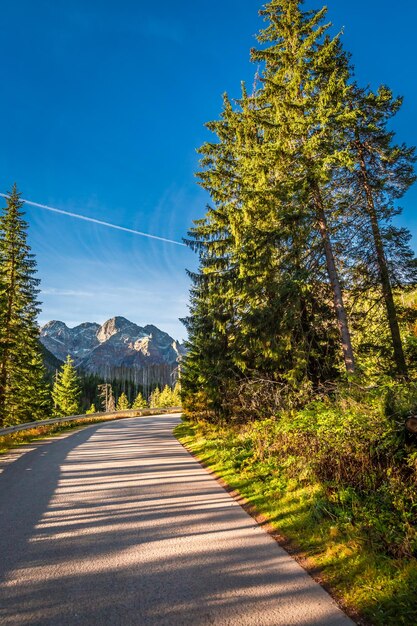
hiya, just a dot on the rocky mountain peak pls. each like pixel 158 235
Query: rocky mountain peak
pixel 54 326
pixel 118 343
pixel 57 331
pixel 115 325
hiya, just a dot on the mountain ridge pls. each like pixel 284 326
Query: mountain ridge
pixel 117 343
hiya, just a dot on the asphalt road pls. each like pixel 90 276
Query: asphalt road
pixel 118 524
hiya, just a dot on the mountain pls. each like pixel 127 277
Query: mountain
pixel 117 344
pixel 61 340
pixel 50 361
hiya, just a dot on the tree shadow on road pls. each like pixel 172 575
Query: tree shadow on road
pixel 117 524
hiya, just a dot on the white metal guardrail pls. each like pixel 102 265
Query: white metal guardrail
pixel 74 418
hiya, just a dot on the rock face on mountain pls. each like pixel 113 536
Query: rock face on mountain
pixel 118 343
pixel 61 340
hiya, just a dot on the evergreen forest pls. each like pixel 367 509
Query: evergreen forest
pixel 305 278
pixel 300 382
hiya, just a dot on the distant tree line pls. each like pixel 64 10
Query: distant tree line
pixel 146 377
pixel 68 386
pixel 303 271
pixel 127 380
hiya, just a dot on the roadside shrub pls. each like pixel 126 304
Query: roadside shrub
pixel 354 448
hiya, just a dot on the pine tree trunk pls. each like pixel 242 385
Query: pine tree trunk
pixel 339 306
pixel 383 269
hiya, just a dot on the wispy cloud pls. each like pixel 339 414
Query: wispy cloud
pixel 66 292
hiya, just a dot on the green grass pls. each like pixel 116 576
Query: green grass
pixel 317 522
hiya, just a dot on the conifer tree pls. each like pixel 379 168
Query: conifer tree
pixel 216 287
pixel 208 366
pixel 303 177
pixel 122 402
pixel 221 346
pixel 91 410
pixel 165 399
pixel 66 390
pixel 259 243
pixel 383 173
pixel 139 402
pixel 305 94
pixel 176 394
pixel 24 395
pixel 154 398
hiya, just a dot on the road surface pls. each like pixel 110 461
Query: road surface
pixel 117 524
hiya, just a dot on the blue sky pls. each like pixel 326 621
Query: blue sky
pixel 102 110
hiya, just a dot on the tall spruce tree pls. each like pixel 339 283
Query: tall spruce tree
pixel 212 324
pixel 255 265
pixel 66 390
pixel 305 101
pixel 258 245
pixel 24 395
pixel 383 172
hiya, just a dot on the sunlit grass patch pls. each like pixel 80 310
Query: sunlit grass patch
pixel 333 528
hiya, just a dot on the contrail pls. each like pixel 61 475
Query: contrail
pixel 95 221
